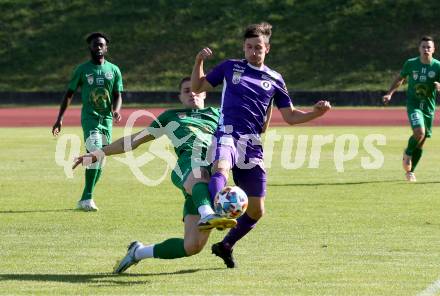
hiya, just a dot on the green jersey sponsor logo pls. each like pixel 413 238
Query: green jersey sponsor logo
pixel 99 99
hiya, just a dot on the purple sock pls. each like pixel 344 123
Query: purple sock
pixel 244 225
pixel 217 182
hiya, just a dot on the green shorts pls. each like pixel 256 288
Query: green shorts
pixel 419 118
pixel 179 175
pixel 97 133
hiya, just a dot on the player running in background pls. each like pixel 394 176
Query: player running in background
pixel 190 130
pixel 101 86
pixel 249 87
pixel 423 75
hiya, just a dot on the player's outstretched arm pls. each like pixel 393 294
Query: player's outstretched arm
pixel 56 128
pixel 121 145
pixel 198 82
pixel 398 81
pixel 295 116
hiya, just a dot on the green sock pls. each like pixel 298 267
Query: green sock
pixel 417 154
pixel 412 144
pixel 172 248
pixel 92 177
pixel 98 175
pixel 200 195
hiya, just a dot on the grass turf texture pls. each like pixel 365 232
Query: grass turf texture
pixel 361 232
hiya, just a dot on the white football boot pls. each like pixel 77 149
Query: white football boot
pixel 410 177
pixel 129 259
pixel 87 205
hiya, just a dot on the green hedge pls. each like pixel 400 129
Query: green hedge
pixel 316 44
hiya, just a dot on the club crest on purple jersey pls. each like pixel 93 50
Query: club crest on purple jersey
pixel 236 78
pixel 266 84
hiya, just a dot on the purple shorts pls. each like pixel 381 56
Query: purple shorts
pixel 246 162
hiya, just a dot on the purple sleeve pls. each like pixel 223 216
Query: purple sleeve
pixel 281 97
pixel 217 74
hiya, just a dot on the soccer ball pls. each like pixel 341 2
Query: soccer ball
pixel 230 202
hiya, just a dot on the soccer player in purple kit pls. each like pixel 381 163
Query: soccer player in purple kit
pixel 249 87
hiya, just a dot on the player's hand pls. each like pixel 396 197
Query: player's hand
pixel 386 99
pixel 85 160
pixel 56 129
pixel 204 54
pixel 321 107
pixel 437 85
pixel 117 116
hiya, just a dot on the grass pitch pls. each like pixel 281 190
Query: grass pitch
pixel 357 232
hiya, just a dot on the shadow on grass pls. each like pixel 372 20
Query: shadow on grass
pixel 424 183
pixel 101 279
pixel 340 183
pixel 37 211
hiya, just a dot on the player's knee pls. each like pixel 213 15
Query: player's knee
pixel 196 176
pixel 420 136
pixel 193 247
pixel 255 214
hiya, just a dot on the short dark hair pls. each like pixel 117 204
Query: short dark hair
pixel 94 35
pixel 256 30
pixel 184 79
pixel 426 38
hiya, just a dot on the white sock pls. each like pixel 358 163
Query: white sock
pixel 205 210
pixel 144 252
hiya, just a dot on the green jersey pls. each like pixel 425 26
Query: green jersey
pixel 97 82
pixel 190 130
pixel 420 77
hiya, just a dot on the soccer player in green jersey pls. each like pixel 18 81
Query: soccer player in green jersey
pixel 423 75
pixel 101 86
pixel 190 130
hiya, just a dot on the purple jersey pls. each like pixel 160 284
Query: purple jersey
pixel 247 94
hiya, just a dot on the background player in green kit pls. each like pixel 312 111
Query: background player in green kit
pixel 190 131
pixel 423 75
pixel 101 86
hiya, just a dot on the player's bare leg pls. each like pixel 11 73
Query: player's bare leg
pixel 415 145
pixel 193 242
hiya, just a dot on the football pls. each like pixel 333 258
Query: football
pixel 230 202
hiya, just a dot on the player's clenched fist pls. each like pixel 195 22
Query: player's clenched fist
pixel 117 116
pixel 322 106
pixel 56 129
pixel 386 99
pixel 204 54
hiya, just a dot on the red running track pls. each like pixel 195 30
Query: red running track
pixel 27 117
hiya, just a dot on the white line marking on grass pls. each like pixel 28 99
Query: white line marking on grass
pixel 432 290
